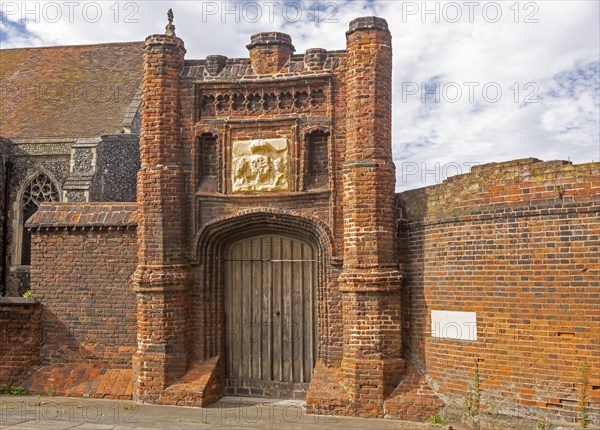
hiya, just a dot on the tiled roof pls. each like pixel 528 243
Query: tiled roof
pixel 84 215
pixel 68 91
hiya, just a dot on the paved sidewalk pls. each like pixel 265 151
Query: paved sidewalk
pixel 53 413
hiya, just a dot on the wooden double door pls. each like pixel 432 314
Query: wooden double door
pixel 270 316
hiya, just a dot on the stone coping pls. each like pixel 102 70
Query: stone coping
pixel 75 214
pixel 18 301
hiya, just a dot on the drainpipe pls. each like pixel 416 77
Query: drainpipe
pixel 7 169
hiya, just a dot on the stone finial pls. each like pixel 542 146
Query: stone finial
pixel 170 28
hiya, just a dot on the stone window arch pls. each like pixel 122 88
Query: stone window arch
pixel 38 189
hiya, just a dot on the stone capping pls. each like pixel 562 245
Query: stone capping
pixel 524 187
pixel 522 170
pixel 75 215
pixel 32 141
pixel 164 37
pixel 367 23
pixel 504 212
pixel 18 301
pixel 270 38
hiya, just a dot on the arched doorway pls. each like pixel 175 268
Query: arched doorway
pixel 270 310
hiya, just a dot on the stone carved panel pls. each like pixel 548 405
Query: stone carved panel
pixel 260 165
pixel 246 102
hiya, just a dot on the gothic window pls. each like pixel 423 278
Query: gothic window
pixel 317 159
pixel 207 162
pixel 40 189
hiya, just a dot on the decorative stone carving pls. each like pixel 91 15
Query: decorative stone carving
pixel 260 165
pixel 40 189
pixel 289 100
pixel 170 28
pixel 215 63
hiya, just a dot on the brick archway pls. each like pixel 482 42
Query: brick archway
pixel 207 301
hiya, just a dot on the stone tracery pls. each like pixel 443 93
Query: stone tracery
pixel 40 189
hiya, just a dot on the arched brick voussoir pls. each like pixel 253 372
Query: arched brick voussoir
pixel 316 129
pixel 262 220
pixel 210 130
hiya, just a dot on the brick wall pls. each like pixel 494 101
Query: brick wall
pixel 20 338
pixel 82 258
pixel 111 177
pixel 4 149
pixel 517 243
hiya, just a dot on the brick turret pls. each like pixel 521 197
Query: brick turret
pixel 161 278
pixel 270 51
pixel 370 280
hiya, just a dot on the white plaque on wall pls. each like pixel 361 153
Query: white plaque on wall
pixel 454 325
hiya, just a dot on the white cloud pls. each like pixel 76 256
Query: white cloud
pixel 554 61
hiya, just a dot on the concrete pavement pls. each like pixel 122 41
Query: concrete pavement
pixel 58 413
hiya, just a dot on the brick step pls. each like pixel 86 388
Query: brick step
pixel 326 395
pixel 76 380
pixel 413 399
pixel 200 386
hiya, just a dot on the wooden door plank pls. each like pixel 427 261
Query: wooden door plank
pixel 236 308
pixel 286 321
pixel 277 300
pixel 267 310
pixel 229 315
pixel 309 313
pixel 297 314
pixel 246 310
pixel 255 286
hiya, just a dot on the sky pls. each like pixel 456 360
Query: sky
pixel 473 81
